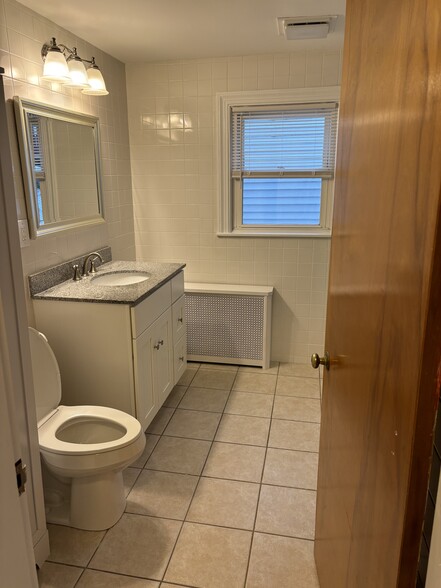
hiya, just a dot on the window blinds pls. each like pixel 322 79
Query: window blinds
pixel 37 147
pixel 290 141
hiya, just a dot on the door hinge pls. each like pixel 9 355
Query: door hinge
pixel 20 472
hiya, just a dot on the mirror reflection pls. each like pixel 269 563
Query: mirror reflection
pixel 61 167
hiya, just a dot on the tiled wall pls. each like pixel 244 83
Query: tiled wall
pixel 173 157
pixel 22 33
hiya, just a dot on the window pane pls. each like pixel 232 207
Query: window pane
pixel 281 201
pixel 290 142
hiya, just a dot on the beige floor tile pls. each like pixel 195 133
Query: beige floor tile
pixel 243 429
pixel 160 421
pixel 162 494
pixel 272 370
pixel 210 556
pixel 281 562
pixel 193 424
pixel 286 511
pixel 235 462
pixel 218 379
pixel 72 546
pixel 294 435
pixel 185 456
pixel 53 575
pixel 224 367
pixel 175 396
pixel 204 399
pixel 150 444
pixel 302 370
pixel 96 579
pixel 249 404
pixel 224 502
pixel 297 409
pixel 167 585
pixel 137 545
pixel 297 469
pixel 294 386
pixel 188 375
pixel 129 478
pixel 257 383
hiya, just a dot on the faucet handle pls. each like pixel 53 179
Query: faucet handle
pixel 77 274
pixel 92 267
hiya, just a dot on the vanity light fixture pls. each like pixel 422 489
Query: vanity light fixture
pixel 71 71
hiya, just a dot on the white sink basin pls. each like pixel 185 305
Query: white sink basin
pixel 120 278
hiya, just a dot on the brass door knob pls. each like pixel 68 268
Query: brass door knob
pixel 316 360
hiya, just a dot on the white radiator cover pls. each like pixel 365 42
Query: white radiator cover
pixel 229 323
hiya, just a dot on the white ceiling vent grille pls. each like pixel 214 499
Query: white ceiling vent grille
pixel 306 27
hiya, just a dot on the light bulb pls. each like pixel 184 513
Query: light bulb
pixel 97 86
pixel 77 74
pixel 55 68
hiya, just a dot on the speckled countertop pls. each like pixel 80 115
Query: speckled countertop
pixel 86 290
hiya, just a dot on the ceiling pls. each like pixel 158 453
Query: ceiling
pixel 159 30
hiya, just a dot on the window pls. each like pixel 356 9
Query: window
pixel 278 157
pixel 38 162
pixel 39 130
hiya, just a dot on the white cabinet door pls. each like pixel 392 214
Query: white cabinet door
pixel 162 356
pixel 180 358
pixel 179 319
pixel 146 401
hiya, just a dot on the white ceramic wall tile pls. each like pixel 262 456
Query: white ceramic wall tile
pixel 21 36
pixel 174 185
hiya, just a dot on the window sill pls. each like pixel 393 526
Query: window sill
pixel 314 234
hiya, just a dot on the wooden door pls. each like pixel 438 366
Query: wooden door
pixel 384 323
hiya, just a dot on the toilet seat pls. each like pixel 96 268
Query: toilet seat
pixel 65 417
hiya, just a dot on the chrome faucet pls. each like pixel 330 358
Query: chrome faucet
pixel 91 258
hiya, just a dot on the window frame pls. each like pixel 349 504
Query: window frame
pixel 229 199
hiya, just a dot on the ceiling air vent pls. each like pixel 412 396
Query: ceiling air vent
pixel 306 27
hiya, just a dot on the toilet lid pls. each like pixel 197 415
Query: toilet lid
pixel 46 373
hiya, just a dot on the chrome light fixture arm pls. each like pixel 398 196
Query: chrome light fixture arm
pixel 71 70
pixel 64 49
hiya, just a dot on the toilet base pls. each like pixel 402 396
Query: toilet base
pixel 92 503
pixel 98 502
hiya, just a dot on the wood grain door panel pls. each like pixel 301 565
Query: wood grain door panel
pixel 381 296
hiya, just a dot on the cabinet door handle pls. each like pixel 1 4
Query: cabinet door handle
pixel 180 319
pixel 158 345
pixel 181 358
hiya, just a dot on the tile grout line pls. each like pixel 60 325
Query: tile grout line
pixel 273 534
pixel 197 485
pixel 260 486
pixel 229 443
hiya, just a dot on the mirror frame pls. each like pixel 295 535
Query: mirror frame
pixel 23 106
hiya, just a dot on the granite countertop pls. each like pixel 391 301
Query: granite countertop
pixel 86 290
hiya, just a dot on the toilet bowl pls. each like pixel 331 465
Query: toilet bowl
pixel 84 449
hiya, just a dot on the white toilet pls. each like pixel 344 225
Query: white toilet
pixel 84 449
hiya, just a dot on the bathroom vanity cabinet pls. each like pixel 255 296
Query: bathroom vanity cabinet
pixel 119 355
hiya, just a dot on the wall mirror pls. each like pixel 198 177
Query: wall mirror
pixel 60 159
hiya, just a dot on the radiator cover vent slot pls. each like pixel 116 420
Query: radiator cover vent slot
pixel 228 323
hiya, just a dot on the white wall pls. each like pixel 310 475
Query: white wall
pixel 174 179
pixel 22 33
